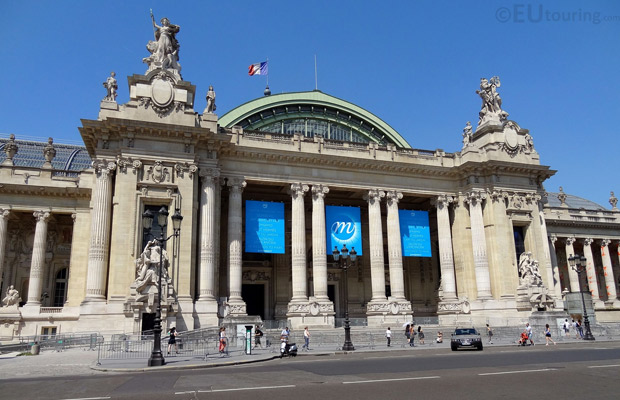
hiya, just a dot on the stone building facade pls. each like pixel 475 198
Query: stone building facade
pixel 72 241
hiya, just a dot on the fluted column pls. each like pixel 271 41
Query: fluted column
pixel 557 287
pixel 298 242
pixel 234 245
pixel 548 263
pixel 395 252
pixel 37 266
pixel 319 252
pixel 101 217
pixel 608 271
pixel 375 233
pixel 572 274
pixel 590 269
pixel 4 222
pixel 446 256
pixel 481 261
pixel 206 282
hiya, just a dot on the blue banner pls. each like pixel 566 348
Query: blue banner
pixel 343 226
pixel 264 227
pixel 415 233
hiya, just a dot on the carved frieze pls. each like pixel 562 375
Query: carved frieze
pixel 255 275
pixel 158 173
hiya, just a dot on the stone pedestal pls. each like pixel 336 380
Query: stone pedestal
pixel 390 313
pixel 10 318
pixel 316 313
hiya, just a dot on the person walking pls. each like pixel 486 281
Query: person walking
pixel 566 327
pixel 490 334
pixel 580 329
pixel 548 335
pixel 420 335
pixel 528 330
pixel 223 346
pixel 306 339
pixel 388 336
pixel 408 334
pixel 412 335
pixel 258 334
pixel 173 340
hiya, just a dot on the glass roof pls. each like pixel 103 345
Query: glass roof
pixel 30 154
pixel 574 202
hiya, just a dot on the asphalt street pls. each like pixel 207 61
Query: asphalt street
pixel 588 370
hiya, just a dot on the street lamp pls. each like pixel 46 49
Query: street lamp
pixel 157 358
pixel 346 260
pixel 578 264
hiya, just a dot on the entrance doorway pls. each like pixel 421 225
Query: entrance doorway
pixel 254 297
pixel 148 322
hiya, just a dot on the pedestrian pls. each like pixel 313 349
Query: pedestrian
pixel 257 335
pixel 223 346
pixel 412 335
pixel 408 334
pixel 528 330
pixel 285 334
pixel 173 340
pixel 580 329
pixel 439 337
pixel 420 335
pixel 306 339
pixel 576 329
pixel 548 335
pixel 566 327
pixel 490 334
pixel 388 336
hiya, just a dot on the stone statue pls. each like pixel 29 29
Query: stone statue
pixel 491 101
pixel 467 135
pixel 529 274
pixel 210 101
pixel 613 200
pixel 529 142
pixel 147 265
pixel 165 49
pixel 49 152
pixel 111 86
pixel 12 297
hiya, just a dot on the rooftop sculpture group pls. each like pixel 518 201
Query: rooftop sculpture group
pixel 491 102
pixel 165 48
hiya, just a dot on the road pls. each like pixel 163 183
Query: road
pixel 570 371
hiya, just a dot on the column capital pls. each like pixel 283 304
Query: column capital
pixel 237 184
pixel 553 238
pixel 298 189
pixel 103 168
pixel 570 240
pixel 474 196
pixel 4 213
pixel 442 200
pixel 374 195
pixel 209 175
pixel 41 215
pixel 393 196
pixel 496 195
pixel 319 191
pixel 587 241
pixel 605 242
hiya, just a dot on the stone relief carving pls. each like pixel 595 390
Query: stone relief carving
pixel 461 306
pixel 491 102
pixel 124 163
pixel 165 48
pixel 529 274
pixel 111 87
pixel 158 173
pixel 182 168
pixel 254 275
pixel 147 268
pixel 12 297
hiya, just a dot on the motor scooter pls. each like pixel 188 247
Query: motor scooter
pixel 287 349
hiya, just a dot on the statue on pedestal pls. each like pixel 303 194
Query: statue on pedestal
pixel 210 101
pixel 491 102
pixel 467 134
pixel 165 48
pixel 12 297
pixel 111 86
pixel 147 266
pixel 529 274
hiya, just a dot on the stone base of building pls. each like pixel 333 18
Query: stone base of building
pixel 393 312
pixel 313 313
pixel 10 318
pixel 607 316
pixel 205 314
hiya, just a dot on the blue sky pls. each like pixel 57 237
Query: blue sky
pixel 415 64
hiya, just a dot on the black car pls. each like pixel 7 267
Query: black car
pixel 465 337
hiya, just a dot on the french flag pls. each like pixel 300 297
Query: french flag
pixel 258 69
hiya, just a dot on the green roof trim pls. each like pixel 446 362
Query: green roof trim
pixel 264 109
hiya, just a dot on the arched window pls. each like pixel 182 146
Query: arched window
pixel 60 288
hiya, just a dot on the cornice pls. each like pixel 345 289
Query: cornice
pixel 46 191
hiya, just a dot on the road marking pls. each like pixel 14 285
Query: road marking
pixel 248 388
pixel 518 372
pixel 90 398
pixel 604 366
pixel 392 380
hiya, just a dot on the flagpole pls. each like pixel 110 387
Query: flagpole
pixel 267 71
pixel 316 80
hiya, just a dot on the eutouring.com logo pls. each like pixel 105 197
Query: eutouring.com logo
pixel 536 13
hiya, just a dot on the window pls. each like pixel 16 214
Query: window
pixel 60 288
pixel 519 237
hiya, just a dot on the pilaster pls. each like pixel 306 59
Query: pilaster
pixel 481 262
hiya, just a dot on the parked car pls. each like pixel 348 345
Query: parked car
pixel 465 337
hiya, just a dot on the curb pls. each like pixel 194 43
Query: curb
pixel 179 367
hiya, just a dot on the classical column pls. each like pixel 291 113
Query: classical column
pixel 557 287
pixel 446 256
pixel 237 305
pixel 548 263
pixel 375 233
pixel 298 242
pixel 395 252
pixel 4 221
pixel 481 262
pixel 101 217
pixel 37 266
pixel 319 245
pixel 610 283
pixel 590 269
pixel 572 274
pixel 206 285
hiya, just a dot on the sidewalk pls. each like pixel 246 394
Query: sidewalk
pixel 82 362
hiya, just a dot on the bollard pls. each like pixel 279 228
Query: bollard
pixel 35 349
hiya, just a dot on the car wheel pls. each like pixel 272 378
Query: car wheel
pixel 453 348
pixel 480 347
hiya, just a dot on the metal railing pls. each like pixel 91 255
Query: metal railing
pixel 59 342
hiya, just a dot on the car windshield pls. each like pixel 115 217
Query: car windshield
pixel 465 332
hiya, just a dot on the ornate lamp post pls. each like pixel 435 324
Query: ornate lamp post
pixel 345 261
pixel 578 264
pixel 157 358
